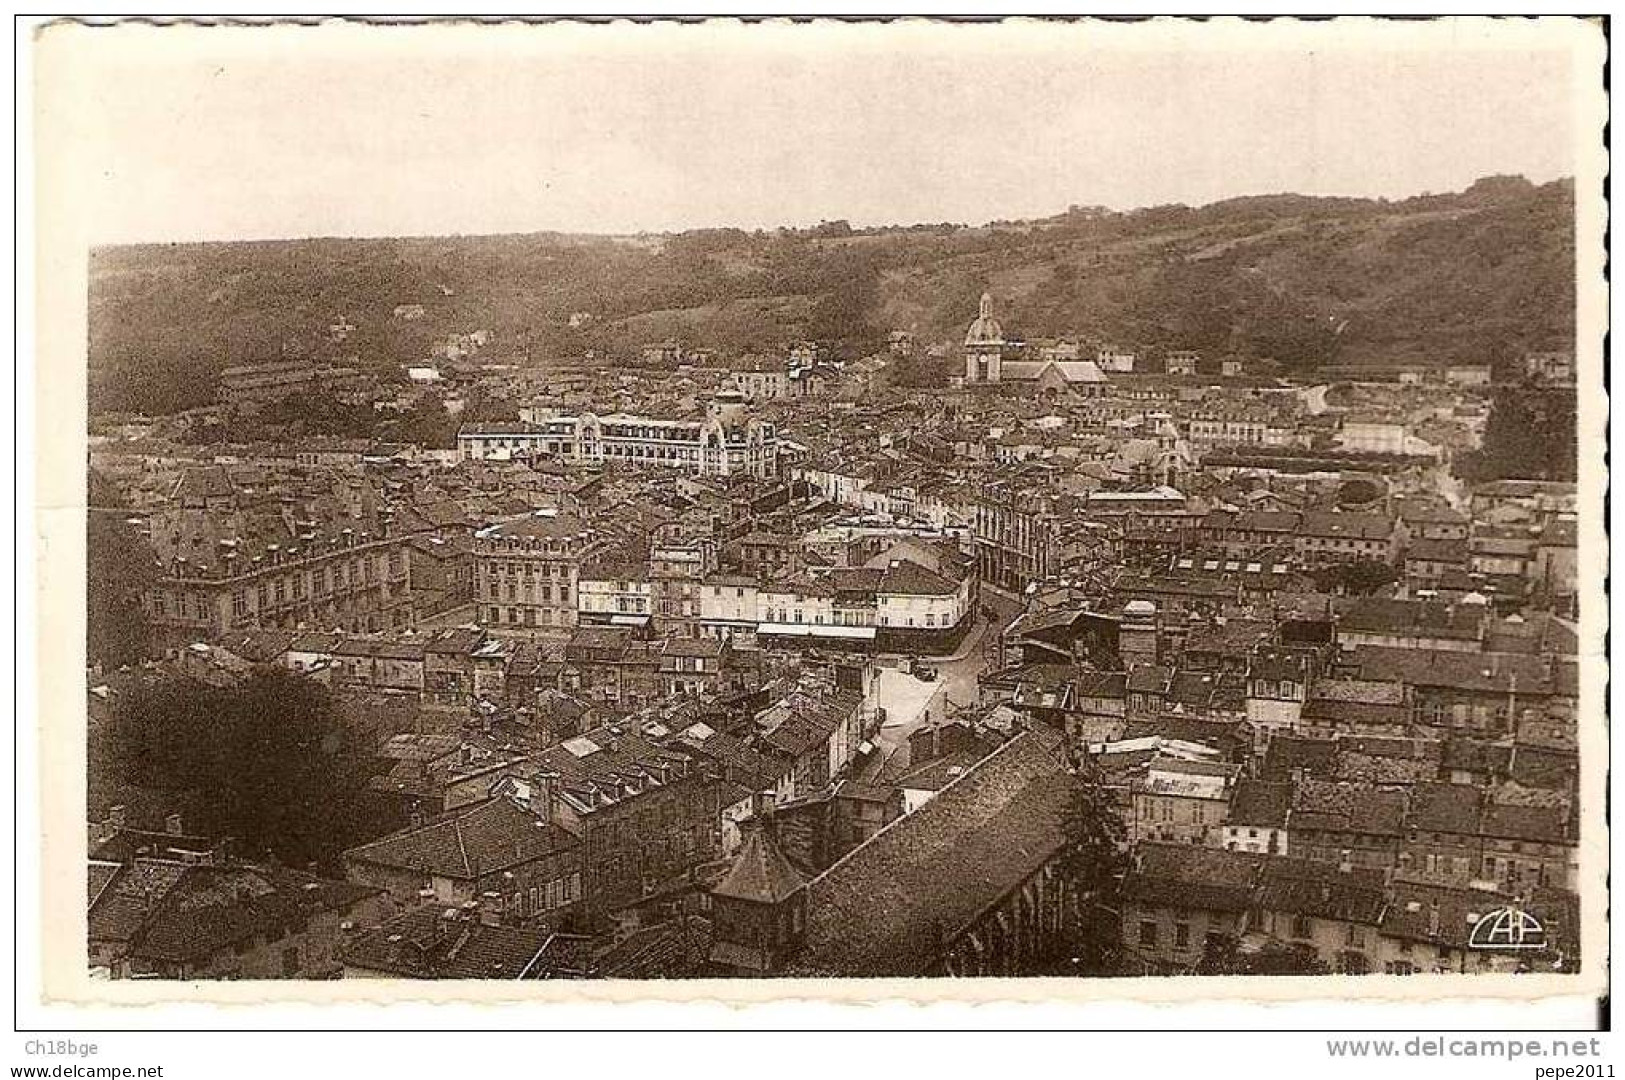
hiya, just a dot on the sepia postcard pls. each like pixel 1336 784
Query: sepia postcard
pixel 1027 510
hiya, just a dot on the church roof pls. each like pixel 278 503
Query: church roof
pixel 889 906
pixel 985 330
pixel 1073 371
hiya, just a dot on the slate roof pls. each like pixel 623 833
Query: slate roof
pixel 538 527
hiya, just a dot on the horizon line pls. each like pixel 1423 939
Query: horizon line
pixel 856 227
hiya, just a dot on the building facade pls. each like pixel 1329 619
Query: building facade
pixel 718 445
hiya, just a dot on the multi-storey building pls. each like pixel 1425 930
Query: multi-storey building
pixel 1017 537
pixel 351 581
pixel 526 572
pixel 1238 426
pixel 643 814
pixel 721 444
pixel 1324 538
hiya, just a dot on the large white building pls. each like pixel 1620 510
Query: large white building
pixel 893 605
pixel 723 443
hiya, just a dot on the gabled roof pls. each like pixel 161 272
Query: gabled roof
pixel 210 908
pixel 906 578
pixel 1196 878
pixel 482 839
pixel 934 872
pixel 1321 890
pixel 1446 808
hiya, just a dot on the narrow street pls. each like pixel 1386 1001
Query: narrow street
pixel 911 702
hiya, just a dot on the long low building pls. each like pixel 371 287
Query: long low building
pixel 263 384
pixel 721 444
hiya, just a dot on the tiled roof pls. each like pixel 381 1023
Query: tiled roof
pixel 890 904
pixel 1197 878
pixel 436 942
pixel 1346 526
pixel 211 908
pixel 1437 914
pixel 1411 617
pixel 1346 806
pixel 760 872
pixel 1260 802
pixel 906 578
pixel 1542 824
pixel 488 837
pixel 1499 673
pixel 1446 808
pixel 1321 890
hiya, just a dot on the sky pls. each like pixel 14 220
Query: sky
pixel 219 133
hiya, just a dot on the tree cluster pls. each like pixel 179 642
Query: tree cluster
pixel 270 761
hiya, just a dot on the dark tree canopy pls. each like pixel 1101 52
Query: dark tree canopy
pixel 1530 435
pixel 118 566
pixel 1362 577
pixel 1093 862
pixel 270 761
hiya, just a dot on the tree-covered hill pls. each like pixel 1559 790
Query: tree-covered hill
pixel 1478 275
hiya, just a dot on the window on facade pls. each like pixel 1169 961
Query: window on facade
pixel 1148 933
pixel 1182 935
pixel 1301 927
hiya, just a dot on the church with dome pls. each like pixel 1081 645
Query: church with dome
pixel 992 359
pixel 984 345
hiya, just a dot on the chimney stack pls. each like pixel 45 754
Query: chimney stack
pixel 490 908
